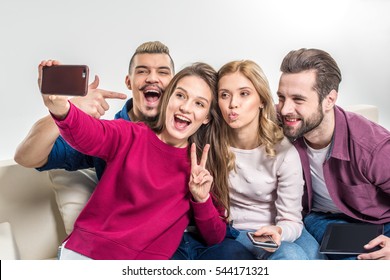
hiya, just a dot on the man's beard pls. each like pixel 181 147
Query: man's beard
pixel 306 125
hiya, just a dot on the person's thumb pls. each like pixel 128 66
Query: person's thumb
pixel 95 83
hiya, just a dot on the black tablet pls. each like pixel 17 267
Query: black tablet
pixel 349 238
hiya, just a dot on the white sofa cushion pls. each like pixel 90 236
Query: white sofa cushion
pixel 27 204
pixel 72 191
pixel 370 112
pixel 8 247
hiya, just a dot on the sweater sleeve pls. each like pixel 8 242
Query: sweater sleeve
pixel 88 135
pixel 209 221
pixel 289 196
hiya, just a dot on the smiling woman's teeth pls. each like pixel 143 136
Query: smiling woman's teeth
pixel 181 121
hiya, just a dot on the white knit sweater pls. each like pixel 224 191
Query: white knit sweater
pixel 267 191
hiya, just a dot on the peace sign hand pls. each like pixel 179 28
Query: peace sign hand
pixel 201 180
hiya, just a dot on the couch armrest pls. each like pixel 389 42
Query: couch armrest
pixel 27 204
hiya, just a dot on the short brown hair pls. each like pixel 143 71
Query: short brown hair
pixel 328 74
pixel 152 47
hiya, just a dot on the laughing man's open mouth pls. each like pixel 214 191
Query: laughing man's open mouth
pixel 152 95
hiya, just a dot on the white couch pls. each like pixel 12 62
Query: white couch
pixel 34 219
pixel 30 223
pixel 38 209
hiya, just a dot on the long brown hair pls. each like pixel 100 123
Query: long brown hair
pixel 209 133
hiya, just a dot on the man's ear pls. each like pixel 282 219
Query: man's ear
pixel 330 100
pixel 128 82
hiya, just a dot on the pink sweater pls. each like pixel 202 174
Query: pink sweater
pixel 141 205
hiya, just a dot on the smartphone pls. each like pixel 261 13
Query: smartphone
pixel 263 241
pixel 65 80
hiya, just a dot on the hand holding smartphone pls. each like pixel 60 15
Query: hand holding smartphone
pixel 65 80
pixel 263 241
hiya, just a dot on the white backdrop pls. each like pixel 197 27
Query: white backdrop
pixel 103 35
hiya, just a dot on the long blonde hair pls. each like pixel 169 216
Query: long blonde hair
pixel 269 132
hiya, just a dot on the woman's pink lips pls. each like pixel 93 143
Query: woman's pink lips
pixel 233 116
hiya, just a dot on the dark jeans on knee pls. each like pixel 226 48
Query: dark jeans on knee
pixel 193 248
pixel 316 223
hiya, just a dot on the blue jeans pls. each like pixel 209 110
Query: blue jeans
pixel 316 223
pixel 304 248
pixel 192 248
